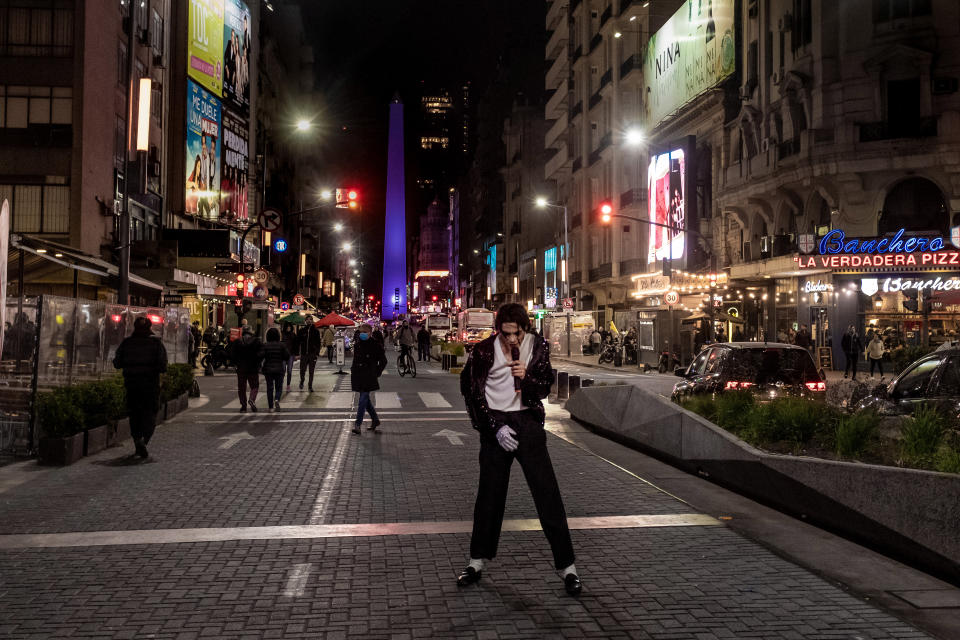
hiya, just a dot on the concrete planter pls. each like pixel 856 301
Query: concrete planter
pixel 95 440
pixel 120 432
pixel 183 402
pixel 171 408
pixel 909 513
pixel 61 451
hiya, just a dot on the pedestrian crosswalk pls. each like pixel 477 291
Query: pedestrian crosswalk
pixel 347 399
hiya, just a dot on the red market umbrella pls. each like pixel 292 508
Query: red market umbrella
pixel 334 320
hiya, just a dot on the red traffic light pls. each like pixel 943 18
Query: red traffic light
pixel 606 212
pixel 434 298
pixel 240 278
pixel 370 297
pixel 352 194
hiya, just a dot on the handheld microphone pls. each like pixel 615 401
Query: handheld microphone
pixel 515 354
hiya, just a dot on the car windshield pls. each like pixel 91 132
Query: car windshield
pixel 767 365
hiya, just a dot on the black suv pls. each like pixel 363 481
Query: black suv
pixel 933 379
pixel 767 369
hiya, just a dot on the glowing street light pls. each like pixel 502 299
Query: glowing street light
pixel 303 124
pixel 326 194
pixel 541 202
pixel 338 227
pixel 352 262
pixel 346 246
pixel 635 137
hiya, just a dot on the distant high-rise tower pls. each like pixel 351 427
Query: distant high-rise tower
pixel 394 301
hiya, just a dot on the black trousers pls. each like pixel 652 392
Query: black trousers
pixel 306 364
pixel 494 480
pixel 876 362
pixel 143 403
pixel 423 351
pixel 852 359
pixel 330 353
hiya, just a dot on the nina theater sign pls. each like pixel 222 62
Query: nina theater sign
pixel 838 252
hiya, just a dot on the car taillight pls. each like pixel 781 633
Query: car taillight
pixel 733 386
pixel 817 386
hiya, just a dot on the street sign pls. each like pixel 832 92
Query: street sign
pixel 279 245
pixel 260 293
pixel 339 347
pixel 568 303
pixel 284 306
pixel 671 297
pixel 173 299
pixel 226 267
pixel 270 220
pixel 261 276
pixel 298 299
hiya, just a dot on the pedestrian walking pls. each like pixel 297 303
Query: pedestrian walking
pixel 875 350
pixel 290 341
pixel 369 361
pixel 275 358
pixel 195 347
pixel 503 398
pixel 246 353
pixel 142 357
pixel 328 338
pixel 852 347
pixel 423 344
pixel 595 339
pixel 309 343
pixel 377 335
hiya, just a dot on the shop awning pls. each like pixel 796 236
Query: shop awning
pixel 696 316
pixel 42 250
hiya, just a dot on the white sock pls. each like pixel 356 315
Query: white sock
pixel 476 563
pixel 571 569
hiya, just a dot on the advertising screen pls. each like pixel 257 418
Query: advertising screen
pixel 236 55
pixel 666 202
pixel 233 171
pixel 203 153
pixel 205 44
pixel 693 51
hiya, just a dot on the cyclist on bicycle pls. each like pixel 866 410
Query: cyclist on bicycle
pixel 406 338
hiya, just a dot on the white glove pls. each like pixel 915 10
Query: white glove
pixel 506 439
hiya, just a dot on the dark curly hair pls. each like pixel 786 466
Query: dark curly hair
pixel 512 312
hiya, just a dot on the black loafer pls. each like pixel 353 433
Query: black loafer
pixel 572 584
pixel 468 576
pixel 373 426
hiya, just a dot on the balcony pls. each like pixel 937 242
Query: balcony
pixel 601 272
pixel 557 72
pixel 576 55
pixel 576 110
pixel 920 128
pixel 633 266
pixel 633 62
pixel 632 196
pixel 557 43
pixel 577 163
pixel 557 103
pixel 595 41
pixel 606 15
pixel 595 99
pixel 606 78
pixel 788 148
pixel 557 14
pixel 559 160
pixel 576 277
pixel 605 141
pixel 515 228
pixel 573 5
pixel 558 129
pixel 516 193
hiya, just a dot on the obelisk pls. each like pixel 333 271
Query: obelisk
pixel 394 301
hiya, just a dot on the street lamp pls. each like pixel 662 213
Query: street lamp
pixel 303 124
pixel 634 137
pixel 338 227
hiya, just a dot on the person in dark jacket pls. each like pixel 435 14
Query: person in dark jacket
pixel 503 398
pixel 369 361
pixel 852 347
pixel 423 344
pixel 142 357
pixel 195 347
pixel 290 341
pixel 275 357
pixel 246 354
pixel 378 335
pixel 309 343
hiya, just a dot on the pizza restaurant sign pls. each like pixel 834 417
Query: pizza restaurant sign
pixel 838 252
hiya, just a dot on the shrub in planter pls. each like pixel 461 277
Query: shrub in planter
pixel 455 349
pixel 853 433
pixel 176 381
pixel 102 401
pixel 922 435
pixel 61 422
pixel 730 409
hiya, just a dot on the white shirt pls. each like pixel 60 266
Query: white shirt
pixel 500 394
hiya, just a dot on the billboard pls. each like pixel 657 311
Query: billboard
pixel 236 55
pixel 205 44
pixel 203 153
pixel 692 52
pixel 233 170
pixel 667 206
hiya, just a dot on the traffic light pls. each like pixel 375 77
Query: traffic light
pixel 240 279
pixel 606 212
pixel 434 298
pixel 910 302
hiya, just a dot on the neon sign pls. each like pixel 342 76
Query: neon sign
pixel 817 287
pixel 835 242
pixel 934 284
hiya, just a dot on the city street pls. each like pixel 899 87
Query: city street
pixel 288 525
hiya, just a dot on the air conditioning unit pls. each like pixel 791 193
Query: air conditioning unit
pixel 777 77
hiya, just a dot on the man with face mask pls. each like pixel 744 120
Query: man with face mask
pixel 369 362
pixel 503 383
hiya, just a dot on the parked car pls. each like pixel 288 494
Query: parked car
pixel 767 369
pixel 934 379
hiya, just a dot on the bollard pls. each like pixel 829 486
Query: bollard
pixel 553 385
pixel 445 361
pixel 587 382
pixel 562 388
pixel 574 384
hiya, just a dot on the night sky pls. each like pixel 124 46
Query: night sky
pixel 366 51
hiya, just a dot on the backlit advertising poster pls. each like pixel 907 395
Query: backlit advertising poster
pixel 233 171
pixel 236 55
pixel 692 52
pixel 667 205
pixel 203 153
pixel 205 44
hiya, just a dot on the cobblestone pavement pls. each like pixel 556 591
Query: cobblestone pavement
pixel 214 469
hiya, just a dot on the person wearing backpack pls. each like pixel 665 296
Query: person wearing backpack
pixel 275 357
pixel 246 354
pixel 369 361
pixel 142 357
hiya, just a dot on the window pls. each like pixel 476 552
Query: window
pixel 21 107
pixel 802 24
pixel 950 379
pixel 26 31
pixel 699 365
pixel 914 383
pixel 903 106
pixel 156 33
pixel 885 10
pixel 122 65
pixel 156 102
pixel 39 208
pixel 119 144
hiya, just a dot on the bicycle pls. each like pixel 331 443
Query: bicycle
pixel 405 363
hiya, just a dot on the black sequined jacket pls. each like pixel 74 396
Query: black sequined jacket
pixel 473 381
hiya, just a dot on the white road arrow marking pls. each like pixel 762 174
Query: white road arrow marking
pixel 234 438
pixel 452 436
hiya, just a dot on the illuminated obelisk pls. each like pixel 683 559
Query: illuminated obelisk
pixel 394 301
